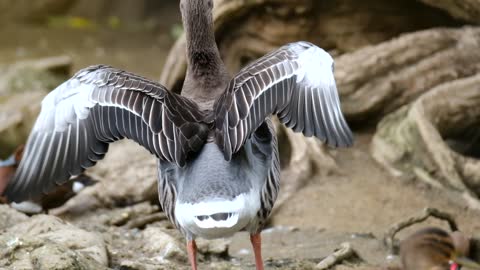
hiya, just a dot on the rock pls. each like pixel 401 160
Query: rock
pixel 217 247
pixel 46 242
pixel 17 115
pixel 77 206
pixel 127 175
pixel 34 75
pixel 10 217
pixel 25 10
pixel 52 256
pixel 160 246
pixel 22 87
pixel 123 216
pixel 152 248
pixel 36 253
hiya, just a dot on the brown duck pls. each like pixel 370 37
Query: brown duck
pixel 7 169
pixel 436 249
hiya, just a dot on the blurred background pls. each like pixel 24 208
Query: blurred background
pixel 127 34
pixel 408 77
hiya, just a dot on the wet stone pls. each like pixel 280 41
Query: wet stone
pixel 46 242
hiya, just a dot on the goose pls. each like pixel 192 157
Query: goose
pixel 435 249
pixel 218 160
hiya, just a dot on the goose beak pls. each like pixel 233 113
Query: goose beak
pixel 466 262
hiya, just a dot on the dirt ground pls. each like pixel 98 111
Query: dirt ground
pixel 358 206
pixel 368 195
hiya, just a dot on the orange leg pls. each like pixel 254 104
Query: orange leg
pixel 192 254
pixel 257 250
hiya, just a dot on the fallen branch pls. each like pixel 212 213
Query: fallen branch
pixel 346 251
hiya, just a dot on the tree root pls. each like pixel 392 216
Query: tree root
pixel 377 80
pixel 248 29
pixel 468 10
pixel 427 140
pixel 301 159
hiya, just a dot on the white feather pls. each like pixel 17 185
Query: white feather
pixel 69 102
pixel 244 208
pixel 77 186
pixel 210 223
pixel 315 68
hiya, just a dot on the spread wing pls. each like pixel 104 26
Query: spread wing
pixel 97 106
pixel 296 83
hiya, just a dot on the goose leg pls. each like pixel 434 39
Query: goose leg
pixel 256 241
pixel 192 253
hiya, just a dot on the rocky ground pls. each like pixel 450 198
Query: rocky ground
pixel 95 230
pixel 117 223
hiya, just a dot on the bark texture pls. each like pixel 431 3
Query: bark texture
pixel 468 10
pixel 432 139
pixel 376 80
pixel 247 29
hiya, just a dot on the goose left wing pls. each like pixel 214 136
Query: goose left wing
pixel 97 106
pixel 296 83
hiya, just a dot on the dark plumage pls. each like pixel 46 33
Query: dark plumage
pixel 435 249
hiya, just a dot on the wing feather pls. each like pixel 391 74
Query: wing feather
pixel 97 106
pixel 297 84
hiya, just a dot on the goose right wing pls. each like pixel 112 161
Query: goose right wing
pixel 296 83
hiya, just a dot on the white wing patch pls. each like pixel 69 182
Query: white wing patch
pixel 316 67
pixel 69 102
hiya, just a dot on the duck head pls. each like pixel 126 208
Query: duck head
pixel 462 250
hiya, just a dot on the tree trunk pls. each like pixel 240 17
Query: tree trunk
pixel 376 80
pixel 468 10
pixel 247 29
pixel 432 139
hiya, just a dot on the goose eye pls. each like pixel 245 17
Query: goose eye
pixel 333 67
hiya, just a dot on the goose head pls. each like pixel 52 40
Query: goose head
pixel 462 250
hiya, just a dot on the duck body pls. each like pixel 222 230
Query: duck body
pixel 433 248
pixel 217 150
pixel 427 249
